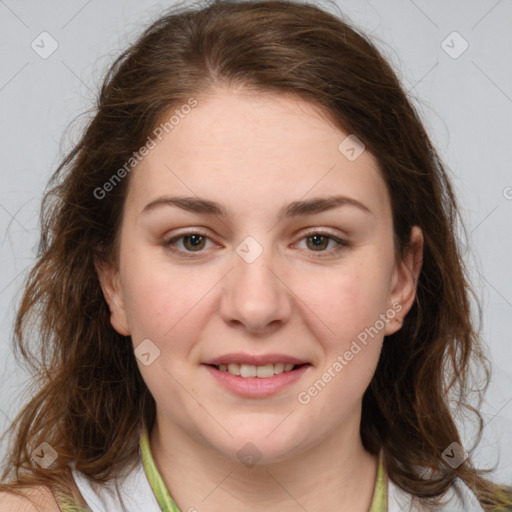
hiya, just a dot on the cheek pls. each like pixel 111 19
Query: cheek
pixel 351 344
pixel 340 304
pixel 164 306
pixel 165 303
pixel 148 304
pixel 155 297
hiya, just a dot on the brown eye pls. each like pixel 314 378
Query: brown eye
pixel 194 242
pixel 318 242
pixel 187 244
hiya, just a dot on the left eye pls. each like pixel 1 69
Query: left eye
pixel 319 241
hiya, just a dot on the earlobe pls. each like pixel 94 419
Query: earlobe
pixel 112 292
pixel 405 279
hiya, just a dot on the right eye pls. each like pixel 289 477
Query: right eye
pixel 192 242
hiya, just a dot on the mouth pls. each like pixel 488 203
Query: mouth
pixel 256 376
pixel 265 371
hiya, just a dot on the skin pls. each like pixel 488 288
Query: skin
pixel 254 154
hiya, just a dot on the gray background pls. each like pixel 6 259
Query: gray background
pixel 465 99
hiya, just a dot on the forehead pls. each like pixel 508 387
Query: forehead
pixel 244 147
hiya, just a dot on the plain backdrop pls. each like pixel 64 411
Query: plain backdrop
pixel 454 58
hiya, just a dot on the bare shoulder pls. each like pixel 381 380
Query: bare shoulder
pixel 35 499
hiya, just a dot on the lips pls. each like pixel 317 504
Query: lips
pixel 256 375
pixel 256 386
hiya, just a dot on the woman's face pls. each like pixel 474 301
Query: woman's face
pixel 281 254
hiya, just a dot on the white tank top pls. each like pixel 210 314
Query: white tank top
pixel 138 496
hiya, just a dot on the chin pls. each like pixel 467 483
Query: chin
pixel 257 442
pixel 257 452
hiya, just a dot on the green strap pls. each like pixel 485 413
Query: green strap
pixel 379 500
pixel 155 480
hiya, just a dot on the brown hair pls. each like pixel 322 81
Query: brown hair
pixel 90 398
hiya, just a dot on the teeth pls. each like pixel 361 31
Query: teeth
pixel 278 368
pixel 247 370
pixel 234 368
pixel 266 371
pixel 250 370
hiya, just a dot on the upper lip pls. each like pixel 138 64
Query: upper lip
pixel 256 360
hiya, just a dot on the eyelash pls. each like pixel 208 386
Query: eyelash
pixel 168 243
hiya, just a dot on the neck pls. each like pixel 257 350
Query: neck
pixel 337 474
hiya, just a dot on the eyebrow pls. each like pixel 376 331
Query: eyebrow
pixel 294 209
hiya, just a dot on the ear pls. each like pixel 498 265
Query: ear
pixel 110 285
pixel 405 280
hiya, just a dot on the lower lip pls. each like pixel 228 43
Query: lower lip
pixel 254 387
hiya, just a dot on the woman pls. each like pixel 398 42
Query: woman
pixel 249 293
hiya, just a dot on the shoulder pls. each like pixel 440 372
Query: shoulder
pixel 34 499
pixel 459 498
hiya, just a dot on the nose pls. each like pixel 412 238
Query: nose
pixel 256 296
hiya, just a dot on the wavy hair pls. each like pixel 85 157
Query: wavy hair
pixel 89 398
